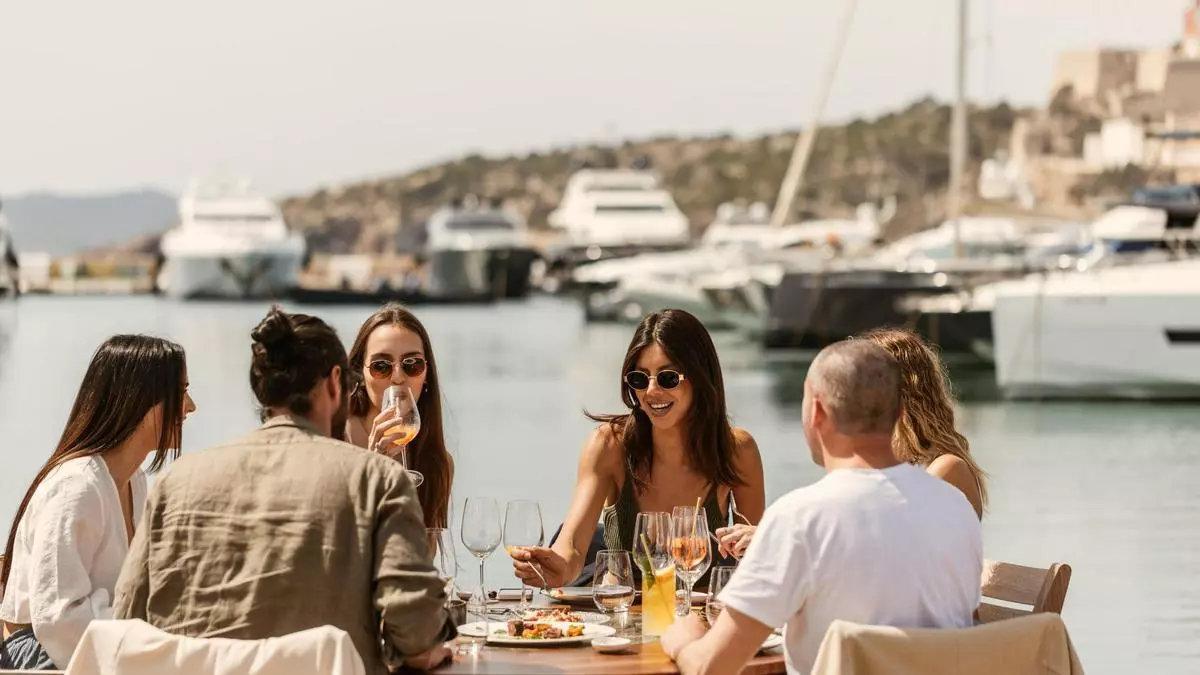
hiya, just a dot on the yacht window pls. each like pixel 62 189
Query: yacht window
pixel 478 223
pixel 616 188
pixel 235 217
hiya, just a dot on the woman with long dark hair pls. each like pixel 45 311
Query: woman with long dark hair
pixel 72 530
pixel 675 445
pixel 393 348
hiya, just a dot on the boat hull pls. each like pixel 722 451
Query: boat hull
pixel 1101 339
pixel 498 273
pixel 239 276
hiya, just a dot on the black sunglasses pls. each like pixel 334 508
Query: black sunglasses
pixel 667 379
pixel 382 368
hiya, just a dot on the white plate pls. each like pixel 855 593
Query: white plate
pixel 571 593
pixel 590 617
pixel 497 634
pixel 773 640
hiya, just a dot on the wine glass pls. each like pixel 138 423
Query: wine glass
pixel 400 399
pixel 652 553
pixel 689 548
pixel 444 558
pixel 522 528
pixel 481 532
pixel 716 583
pixel 612 585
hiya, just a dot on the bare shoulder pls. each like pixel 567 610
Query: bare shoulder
pixel 955 471
pixel 602 451
pixel 745 448
pixel 743 440
pixel 949 466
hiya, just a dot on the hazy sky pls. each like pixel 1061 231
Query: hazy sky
pixel 103 95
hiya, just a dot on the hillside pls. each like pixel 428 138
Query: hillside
pixel 903 153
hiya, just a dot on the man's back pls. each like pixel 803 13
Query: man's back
pixel 891 547
pixel 282 531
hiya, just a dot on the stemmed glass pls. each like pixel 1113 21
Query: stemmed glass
pixel 444 558
pixel 689 548
pixel 612 585
pixel 716 583
pixel 481 532
pixel 522 528
pixel 400 399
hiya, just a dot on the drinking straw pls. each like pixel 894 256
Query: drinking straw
pixel 695 515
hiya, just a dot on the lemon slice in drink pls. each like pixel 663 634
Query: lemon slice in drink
pixel 664 581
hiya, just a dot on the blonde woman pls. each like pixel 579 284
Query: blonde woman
pixel 925 434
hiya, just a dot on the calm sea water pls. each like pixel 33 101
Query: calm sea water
pixel 1110 488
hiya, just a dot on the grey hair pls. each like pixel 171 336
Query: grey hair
pixel 859 384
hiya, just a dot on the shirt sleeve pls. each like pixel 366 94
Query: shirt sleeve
pixel 64 540
pixel 773 580
pixel 410 597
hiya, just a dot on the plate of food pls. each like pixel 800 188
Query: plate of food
pixel 563 614
pixel 521 633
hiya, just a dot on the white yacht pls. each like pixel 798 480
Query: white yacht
pixel 1124 235
pixel 1129 331
pixel 618 208
pixel 739 246
pixel 230 243
pixel 477 252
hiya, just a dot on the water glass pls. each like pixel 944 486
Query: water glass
pixel 612 585
pixel 716 583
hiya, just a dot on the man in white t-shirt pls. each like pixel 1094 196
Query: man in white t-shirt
pixel 875 541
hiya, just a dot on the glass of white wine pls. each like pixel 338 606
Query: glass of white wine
pixel 400 399
pixel 522 528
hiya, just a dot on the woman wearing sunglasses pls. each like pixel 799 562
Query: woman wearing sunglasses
pixel 392 348
pixel 674 446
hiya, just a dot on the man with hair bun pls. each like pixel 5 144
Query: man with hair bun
pixel 288 529
pixel 876 541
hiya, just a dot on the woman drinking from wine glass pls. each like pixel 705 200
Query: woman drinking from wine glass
pixel 71 532
pixel 674 447
pixel 392 357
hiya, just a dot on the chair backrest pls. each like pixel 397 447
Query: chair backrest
pixel 1042 590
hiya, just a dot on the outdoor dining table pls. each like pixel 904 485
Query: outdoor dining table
pixel 642 658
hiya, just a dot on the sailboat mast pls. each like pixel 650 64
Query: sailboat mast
pixel 794 176
pixel 958 133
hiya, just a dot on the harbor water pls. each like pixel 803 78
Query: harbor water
pixel 1108 487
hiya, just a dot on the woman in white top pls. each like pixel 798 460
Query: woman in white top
pixel 72 530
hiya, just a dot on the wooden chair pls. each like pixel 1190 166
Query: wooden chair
pixel 1042 590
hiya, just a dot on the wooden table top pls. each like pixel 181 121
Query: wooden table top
pixel 640 659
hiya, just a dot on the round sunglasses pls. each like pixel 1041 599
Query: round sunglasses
pixel 667 379
pixel 382 368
